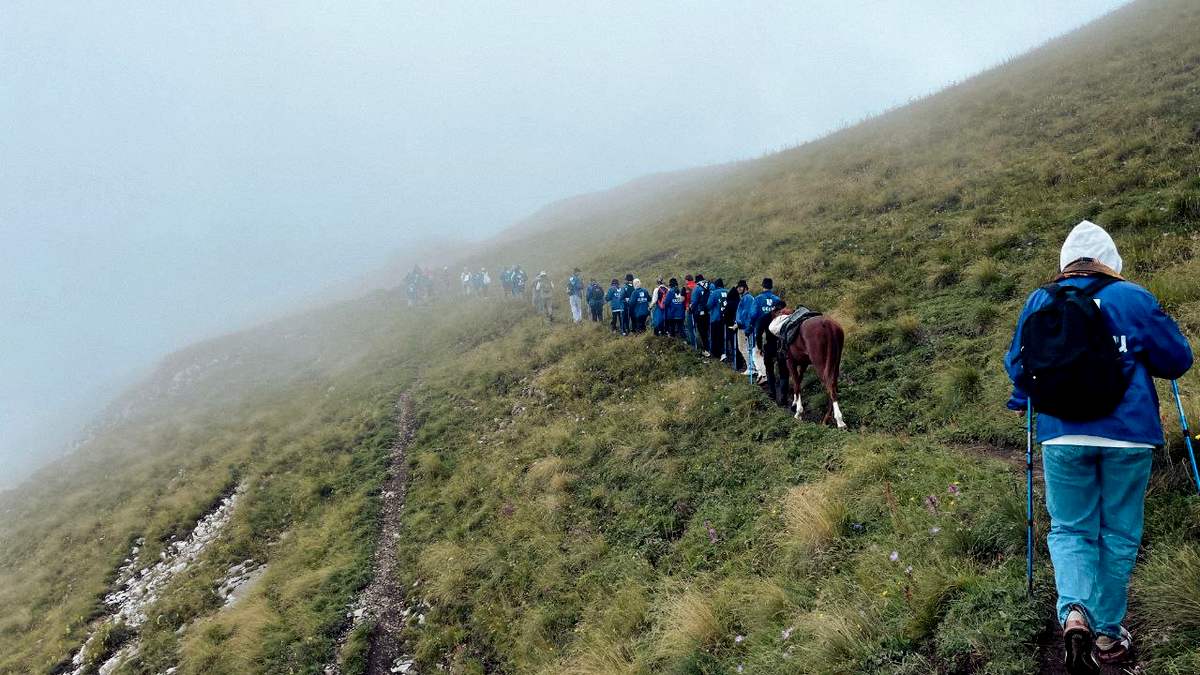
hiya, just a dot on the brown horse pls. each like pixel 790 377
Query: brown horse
pixel 818 342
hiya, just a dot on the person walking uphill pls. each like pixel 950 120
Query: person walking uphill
pixel 689 326
pixel 626 298
pixel 616 305
pixel 717 296
pixel 658 308
pixel 595 300
pixel 638 306
pixel 699 311
pixel 543 295
pixel 729 320
pixel 575 295
pixel 765 342
pixel 1098 426
pixel 675 308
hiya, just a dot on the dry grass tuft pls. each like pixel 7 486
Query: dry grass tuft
pixel 690 623
pixel 603 657
pixel 1167 590
pixel 813 514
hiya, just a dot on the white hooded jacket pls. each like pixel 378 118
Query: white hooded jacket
pixel 1089 240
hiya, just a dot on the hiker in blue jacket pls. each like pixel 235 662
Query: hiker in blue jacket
pixel 717 296
pixel 658 308
pixel 595 300
pixel 1096 471
pixel 766 344
pixel 575 295
pixel 616 306
pixel 744 310
pixel 626 298
pixel 774 372
pixel 698 308
pixel 639 307
pixel 676 303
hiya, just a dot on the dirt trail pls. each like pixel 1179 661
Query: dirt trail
pixel 383 601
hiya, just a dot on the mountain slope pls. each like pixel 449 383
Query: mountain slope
pixel 585 504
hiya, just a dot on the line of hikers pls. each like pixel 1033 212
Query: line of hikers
pixel 422 285
pixel 723 323
pixel 1083 358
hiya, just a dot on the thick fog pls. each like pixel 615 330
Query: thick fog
pixel 173 170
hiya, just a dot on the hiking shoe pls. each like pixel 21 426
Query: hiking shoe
pixel 1114 650
pixel 706 354
pixel 1078 642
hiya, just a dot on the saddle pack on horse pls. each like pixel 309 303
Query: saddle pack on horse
pixel 785 326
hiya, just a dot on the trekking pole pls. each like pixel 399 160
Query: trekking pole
pixel 750 358
pixel 731 339
pixel 1187 435
pixel 1029 498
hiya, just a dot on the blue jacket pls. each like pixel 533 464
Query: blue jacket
pixel 715 298
pixel 627 295
pixel 616 301
pixel 675 303
pixel 639 302
pixel 595 296
pixel 695 306
pixel 744 311
pixel 574 285
pixel 764 303
pixel 1151 346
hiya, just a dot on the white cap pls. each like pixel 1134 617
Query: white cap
pixel 1089 240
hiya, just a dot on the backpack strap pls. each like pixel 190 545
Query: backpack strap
pixel 1088 291
pixel 1098 285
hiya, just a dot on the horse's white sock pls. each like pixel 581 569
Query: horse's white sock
pixel 837 415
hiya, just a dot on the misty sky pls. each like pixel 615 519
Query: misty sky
pixel 169 171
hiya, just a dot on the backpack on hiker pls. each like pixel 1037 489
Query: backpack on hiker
pixel 1070 365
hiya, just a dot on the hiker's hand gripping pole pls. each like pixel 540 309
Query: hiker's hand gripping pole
pixel 1187 434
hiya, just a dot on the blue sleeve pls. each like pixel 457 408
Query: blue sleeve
pixel 1019 399
pixel 695 298
pixel 1161 345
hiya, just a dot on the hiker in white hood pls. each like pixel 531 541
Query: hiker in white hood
pixel 1084 355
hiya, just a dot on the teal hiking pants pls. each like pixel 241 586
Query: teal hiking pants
pixel 1096 498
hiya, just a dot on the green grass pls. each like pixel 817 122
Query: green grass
pixel 708 513
pixel 584 504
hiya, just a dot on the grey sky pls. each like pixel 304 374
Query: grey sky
pixel 172 170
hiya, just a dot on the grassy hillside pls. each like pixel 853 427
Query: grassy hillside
pixel 592 505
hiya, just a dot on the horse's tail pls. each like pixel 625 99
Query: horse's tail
pixel 833 366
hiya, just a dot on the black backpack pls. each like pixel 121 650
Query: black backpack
pixel 1070 365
